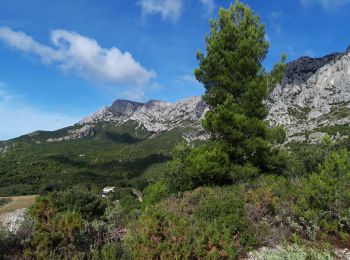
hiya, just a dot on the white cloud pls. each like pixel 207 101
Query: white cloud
pixel 209 4
pixel 76 53
pixel 326 4
pixel 18 118
pixel 168 9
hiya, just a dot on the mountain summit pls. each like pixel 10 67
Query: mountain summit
pixel 312 100
pixel 154 116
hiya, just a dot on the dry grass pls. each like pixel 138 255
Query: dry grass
pixel 17 202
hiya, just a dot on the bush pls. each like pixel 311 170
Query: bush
pixel 60 218
pixel 109 251
pixel 154 193
pixel 207 164
pixel 324 198
pixel 205 223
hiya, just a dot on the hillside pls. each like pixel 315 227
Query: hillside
pixel 129 143
pixel 111 147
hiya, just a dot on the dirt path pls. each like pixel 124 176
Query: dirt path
pixel 17 202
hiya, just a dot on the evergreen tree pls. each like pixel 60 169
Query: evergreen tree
pixel 237 86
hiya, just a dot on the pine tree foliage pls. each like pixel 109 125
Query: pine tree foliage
pixel 237 86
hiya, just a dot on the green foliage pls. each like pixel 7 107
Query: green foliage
pixel 236 47
pixel 155 193
pixel 305 159
pixel 206 164
pixel 59 218
pixel 109 251
pixel 323 199
pixel 205 223
pixel 115 156
pixel 241 203
pixel 236 88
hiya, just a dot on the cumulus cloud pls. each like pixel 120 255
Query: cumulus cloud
pixel 326 4
pixel 168 9
pixel 76 53
pixel 19 118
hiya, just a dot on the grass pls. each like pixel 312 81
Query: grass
pixel 17 202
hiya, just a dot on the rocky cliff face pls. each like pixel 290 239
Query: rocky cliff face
pixel 155 116
pixel 313 98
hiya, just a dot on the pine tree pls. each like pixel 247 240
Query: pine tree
pixel 237 86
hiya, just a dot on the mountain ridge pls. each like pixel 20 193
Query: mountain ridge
pixel 309 90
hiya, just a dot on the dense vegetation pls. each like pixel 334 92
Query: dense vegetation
pixel 220 199
pixel 309 208
pixel 115 156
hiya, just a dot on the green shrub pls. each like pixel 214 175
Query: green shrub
pixel 207 164
pixel 205 223
pixel 154 193
pixel 109 251
pixel 323 199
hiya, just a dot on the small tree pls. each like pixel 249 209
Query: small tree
pixel 237 86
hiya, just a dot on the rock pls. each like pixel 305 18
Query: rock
pixel 13 220
pixel 84 131
pixel 314 94
pixel 155 116
pixel 4 147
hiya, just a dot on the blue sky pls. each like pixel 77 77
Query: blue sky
pixel 61 60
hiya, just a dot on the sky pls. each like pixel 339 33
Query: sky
pixel 61 60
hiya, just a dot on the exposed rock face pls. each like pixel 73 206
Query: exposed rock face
pixel 155 116
pixel 125 107
pixel 5 146
pixel 313 97
pixel 312 100
pixel 85 131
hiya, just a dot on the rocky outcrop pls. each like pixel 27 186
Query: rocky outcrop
pixel 125 107
pixel 155 116
pixel 6 146
pixel 84 131
pixel 313 98
pixel 12 221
